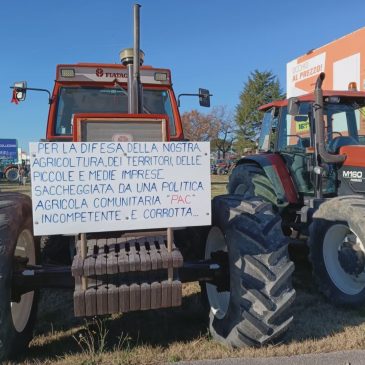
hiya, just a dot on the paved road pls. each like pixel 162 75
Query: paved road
pixel 356 357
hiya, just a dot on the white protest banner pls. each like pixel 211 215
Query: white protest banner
pixel 80 187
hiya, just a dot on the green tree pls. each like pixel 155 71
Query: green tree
pixel 260 88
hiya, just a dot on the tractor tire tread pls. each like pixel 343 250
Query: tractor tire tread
pixel 264 290
pixel 249 179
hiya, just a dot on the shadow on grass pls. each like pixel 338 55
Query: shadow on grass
pixel 314 318
pixel 157 328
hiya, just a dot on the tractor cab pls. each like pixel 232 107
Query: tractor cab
pixel 289 129
pixel 105 93
pixel 311 170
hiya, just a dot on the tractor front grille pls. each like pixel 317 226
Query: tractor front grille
pixel 121 131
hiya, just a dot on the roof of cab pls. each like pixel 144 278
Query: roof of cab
pixel 310 97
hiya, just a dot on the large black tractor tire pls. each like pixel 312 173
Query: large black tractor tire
pixel 248 180
pixel 337 250
pixel 12 174
pixel 221 171
pixel 16 240
pixel 57 249
pixel 191 242
pixel 255 307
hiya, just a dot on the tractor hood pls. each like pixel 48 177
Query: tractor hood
pixel 351 174
pixel 355 155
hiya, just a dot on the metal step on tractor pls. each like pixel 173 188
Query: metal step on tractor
pixel 241 260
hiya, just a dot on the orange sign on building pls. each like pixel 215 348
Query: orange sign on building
pixel 343 61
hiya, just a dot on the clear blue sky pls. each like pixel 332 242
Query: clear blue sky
pixel 213 44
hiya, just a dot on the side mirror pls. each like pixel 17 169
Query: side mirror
pixel 293 106
pixel 19 91
pixel 204 98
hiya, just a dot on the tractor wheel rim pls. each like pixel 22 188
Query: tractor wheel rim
pixel 20 312
pixel 13 175
pixel 219 301
pixel 334 238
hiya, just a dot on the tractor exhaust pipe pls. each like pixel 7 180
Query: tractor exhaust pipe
pixel 136 82
pixel 133 58
pixel 319 125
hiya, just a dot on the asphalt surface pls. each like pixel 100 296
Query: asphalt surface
pixel 355 357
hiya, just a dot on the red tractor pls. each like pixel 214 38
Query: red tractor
pixel 312 172
pixel 241 261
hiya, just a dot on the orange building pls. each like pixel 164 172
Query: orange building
pixel 342 60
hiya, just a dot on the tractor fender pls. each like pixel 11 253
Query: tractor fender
pixel 11 166
pixel 278 174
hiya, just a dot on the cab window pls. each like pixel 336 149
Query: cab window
pixel 266 127
pixel 72 100
pixel 295 133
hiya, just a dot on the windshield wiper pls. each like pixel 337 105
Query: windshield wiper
pixel 125 92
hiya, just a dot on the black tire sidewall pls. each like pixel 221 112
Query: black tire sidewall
pixel 224 326
pixel 223 329
pixel 326 285
pixel 12 342
pixel 7 174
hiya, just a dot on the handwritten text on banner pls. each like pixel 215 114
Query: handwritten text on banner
pixel 107 186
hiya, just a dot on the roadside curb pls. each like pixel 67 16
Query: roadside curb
pixel 352 357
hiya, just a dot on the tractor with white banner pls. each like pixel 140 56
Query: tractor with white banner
pixel 114 184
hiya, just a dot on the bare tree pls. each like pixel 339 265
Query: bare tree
pixel 226 133
pixel 200 127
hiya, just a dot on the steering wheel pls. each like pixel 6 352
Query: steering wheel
pixel 335 132
pixel 301 144
pixel 334 145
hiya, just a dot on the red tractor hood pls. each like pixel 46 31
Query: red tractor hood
pixel 355 155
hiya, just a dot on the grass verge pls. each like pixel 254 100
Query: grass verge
pixel 154 337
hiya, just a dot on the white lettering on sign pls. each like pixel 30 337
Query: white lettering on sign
pixel 308 68
pixel 296 72
pixel 112 186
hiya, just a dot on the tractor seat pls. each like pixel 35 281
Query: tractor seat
pixel 335 144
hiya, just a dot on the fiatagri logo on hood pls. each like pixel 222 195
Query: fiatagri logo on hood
pixel 99 72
